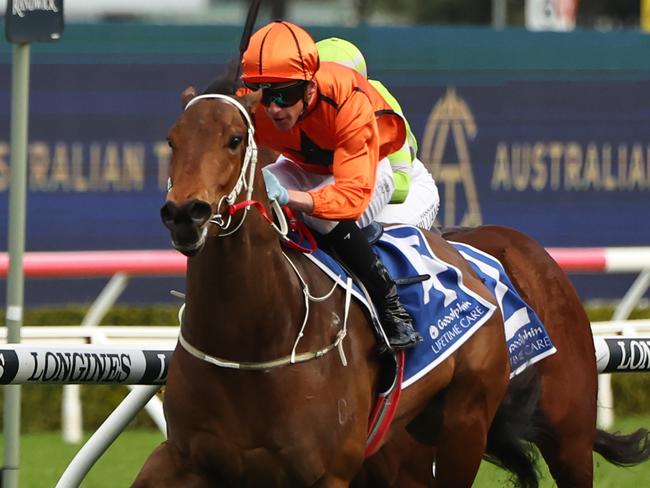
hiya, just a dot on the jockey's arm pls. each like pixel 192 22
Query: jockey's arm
pixel 301 201
pixel 298 200
pixel 356 157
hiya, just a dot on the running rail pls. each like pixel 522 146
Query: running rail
pixel 602 259
pixel 83 364
pixel 161 262
pixel 82 264
pixel 22 364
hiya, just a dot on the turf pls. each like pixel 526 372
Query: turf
pixel 44 458
pixel 606 475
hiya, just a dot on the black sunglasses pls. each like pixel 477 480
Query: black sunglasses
pixel 282 96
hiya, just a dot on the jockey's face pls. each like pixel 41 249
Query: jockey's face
pixel 283 115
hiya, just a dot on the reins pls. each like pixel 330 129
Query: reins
pixel 293 224
pixel 294 357
pixel 245 182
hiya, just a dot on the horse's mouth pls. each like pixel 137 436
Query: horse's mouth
pixel 190 249
pixel 188 224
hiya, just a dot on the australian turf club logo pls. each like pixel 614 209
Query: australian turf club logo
pixel 445 152
pixel 22 6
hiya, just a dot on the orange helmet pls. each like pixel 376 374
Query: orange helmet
pixel 278 52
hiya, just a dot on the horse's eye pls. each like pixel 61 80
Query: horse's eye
pixel 234 141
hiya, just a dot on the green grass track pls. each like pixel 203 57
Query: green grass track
pixel 44 457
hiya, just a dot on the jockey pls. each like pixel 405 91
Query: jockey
pixel 415 200
pixel 337 131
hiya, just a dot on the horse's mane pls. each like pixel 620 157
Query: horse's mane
pixel 228 82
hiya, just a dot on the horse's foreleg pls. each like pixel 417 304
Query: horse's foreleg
pixel 568 442
pixel 463 439
pixel 467 408
pixel 401 463
pixel 164 468
pixel 570 462
pixel 570 417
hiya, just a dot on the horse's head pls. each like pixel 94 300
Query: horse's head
pixel 212 162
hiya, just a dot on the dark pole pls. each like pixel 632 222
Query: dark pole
pixel 278 9
pixel 362 8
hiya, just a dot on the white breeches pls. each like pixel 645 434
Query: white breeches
pixel 422 202
pixel 293 177
pixel 420 207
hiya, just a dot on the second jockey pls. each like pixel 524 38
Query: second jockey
pixel 415 200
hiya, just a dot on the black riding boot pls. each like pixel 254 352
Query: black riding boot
pixel 351 246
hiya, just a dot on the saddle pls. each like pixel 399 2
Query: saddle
pixel 373 233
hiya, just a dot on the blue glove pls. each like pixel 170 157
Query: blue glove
pixel 274 189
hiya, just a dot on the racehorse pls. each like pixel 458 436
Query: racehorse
pixel 241 408
pixel 563 420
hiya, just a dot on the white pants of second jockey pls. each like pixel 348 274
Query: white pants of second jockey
pixel 422 201
pixel 419 208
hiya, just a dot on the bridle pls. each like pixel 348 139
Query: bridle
pixel 245 181
pixel 246 175
pixel 226 206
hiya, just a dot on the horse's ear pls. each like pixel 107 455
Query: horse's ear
pixel 188 94
pixel 250 100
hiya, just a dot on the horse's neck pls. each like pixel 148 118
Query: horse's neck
pixel 241 292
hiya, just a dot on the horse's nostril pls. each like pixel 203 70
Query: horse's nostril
pixel 194 213
pixel 199 211
pixel 167 212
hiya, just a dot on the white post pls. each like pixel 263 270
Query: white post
pixel 71 417
pixel 71 411
pixel 605 401
pixel 606 415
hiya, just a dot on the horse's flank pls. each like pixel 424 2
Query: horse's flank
pixel 552 406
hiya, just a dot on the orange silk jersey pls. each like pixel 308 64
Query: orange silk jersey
pixel 347 129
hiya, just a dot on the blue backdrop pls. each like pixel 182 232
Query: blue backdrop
pixel 546 133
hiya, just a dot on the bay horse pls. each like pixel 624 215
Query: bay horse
pixel 562 413
pixel 241 409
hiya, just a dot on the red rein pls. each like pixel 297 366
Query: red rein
pixel 295 225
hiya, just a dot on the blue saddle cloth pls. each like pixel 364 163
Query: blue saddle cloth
pixel 444 310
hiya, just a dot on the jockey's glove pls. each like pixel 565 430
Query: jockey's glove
pixel 274 188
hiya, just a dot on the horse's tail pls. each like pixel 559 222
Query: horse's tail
pixel 513 428
pixel 621 449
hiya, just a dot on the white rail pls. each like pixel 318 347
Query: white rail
pixel 621 327
pixel 152 336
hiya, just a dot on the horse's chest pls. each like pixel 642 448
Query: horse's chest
pixel 234 465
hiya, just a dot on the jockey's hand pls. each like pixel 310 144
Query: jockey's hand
pixel 274 188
